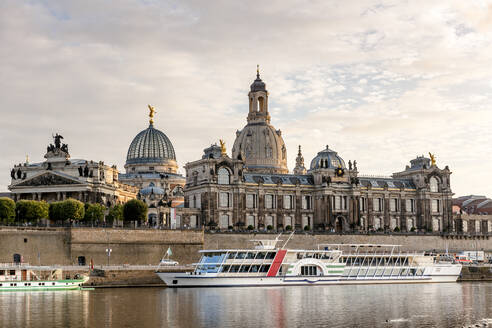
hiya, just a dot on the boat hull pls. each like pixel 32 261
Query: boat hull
pixel 187 280
pixel 69 284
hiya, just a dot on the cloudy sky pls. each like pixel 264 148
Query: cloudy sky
pixel 379 81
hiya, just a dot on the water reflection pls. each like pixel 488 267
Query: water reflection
pixel 423 305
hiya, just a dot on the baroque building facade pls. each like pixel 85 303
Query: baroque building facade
pixel 151 166
pixel 60 177
pixel 254 187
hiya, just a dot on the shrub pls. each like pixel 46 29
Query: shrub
pixel 307 228
pixel 7 210
pixel 269 227
pixel 380 229
pixel 396 229
pixel 288 228
pixel 250 227
pixel 412 229
pixel 31 210
pixel 72 209
pixel 230 227
pixel 135 210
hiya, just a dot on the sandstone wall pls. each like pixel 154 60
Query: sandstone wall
pixel 52 245
pixel 309 241
pixel 65 245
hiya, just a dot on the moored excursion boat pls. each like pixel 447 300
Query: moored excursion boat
pixel 266 265
pixel 23 277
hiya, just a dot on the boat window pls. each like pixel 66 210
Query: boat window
pixel 234 268
pixel 260 255
pixel 411 272
pixel 244 268
pixel 231 256
pixel 309 270
pixel 225 268
pixel 370 272
pixel 2 272
pixel 362 272
pixel 1 285
pixel 270 255
pixel 240 255
pixel 265 268
pixel 12 272
pixel 379 272
pixel 254 268
pixel 53 283
pixel 250 255
pixel 210 262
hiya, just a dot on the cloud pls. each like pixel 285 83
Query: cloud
pixel 379 81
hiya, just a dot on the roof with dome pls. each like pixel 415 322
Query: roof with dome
pixel 327 159
pixel 150 146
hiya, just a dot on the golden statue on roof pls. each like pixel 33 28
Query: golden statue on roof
pixel 433 159
pixel 222 147
pixel 151 114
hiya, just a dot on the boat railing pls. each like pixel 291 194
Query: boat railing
pixel 14 264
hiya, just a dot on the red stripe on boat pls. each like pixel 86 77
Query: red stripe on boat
pixel 277 262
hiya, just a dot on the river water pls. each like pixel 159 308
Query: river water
pixel 420 305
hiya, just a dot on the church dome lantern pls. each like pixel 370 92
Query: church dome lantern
pixel 259 144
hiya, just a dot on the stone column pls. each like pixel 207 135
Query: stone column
pixel 64 195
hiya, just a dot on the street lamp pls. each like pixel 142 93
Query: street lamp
pixel 108 251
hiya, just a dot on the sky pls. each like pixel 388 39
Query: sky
pixel 378 81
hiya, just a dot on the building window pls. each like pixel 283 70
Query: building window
pixel 394 204
pixel 338 202
pixel 378 204
pixel 434 184
pixel 251 201
pixel 269 201
pixel 362 204
pixel 288 202
pixel 151 168
pixel 224 221
pixel 224 199
pixel 436 206
pixel 223 176
pixel 250 221
pixel 307 202
pixel 410 205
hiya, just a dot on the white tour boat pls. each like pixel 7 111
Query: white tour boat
pixel 23 277
pixel 266 265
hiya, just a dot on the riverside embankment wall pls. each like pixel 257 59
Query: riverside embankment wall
pixel 147 246
pixel 310 241
pixel 65 245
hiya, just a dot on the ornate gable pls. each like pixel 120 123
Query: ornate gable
pixel 47 179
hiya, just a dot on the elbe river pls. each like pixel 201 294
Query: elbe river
pixel 418 305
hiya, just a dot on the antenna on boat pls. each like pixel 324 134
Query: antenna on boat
pixel 288 238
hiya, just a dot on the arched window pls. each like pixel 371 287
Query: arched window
pixel 434 184
pixel 223 176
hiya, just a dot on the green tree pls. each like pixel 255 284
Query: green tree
pixel 72 209
pixel 7 210
pixel 69 209
pixel 94 212
pixel 135 210
pixel 31 210
pixel 55 211
pixel 115 213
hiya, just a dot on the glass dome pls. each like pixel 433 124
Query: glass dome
pixel 150 146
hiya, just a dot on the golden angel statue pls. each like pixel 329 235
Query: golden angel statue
pixel 151 114
pixel 222 147
pixel 433 159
